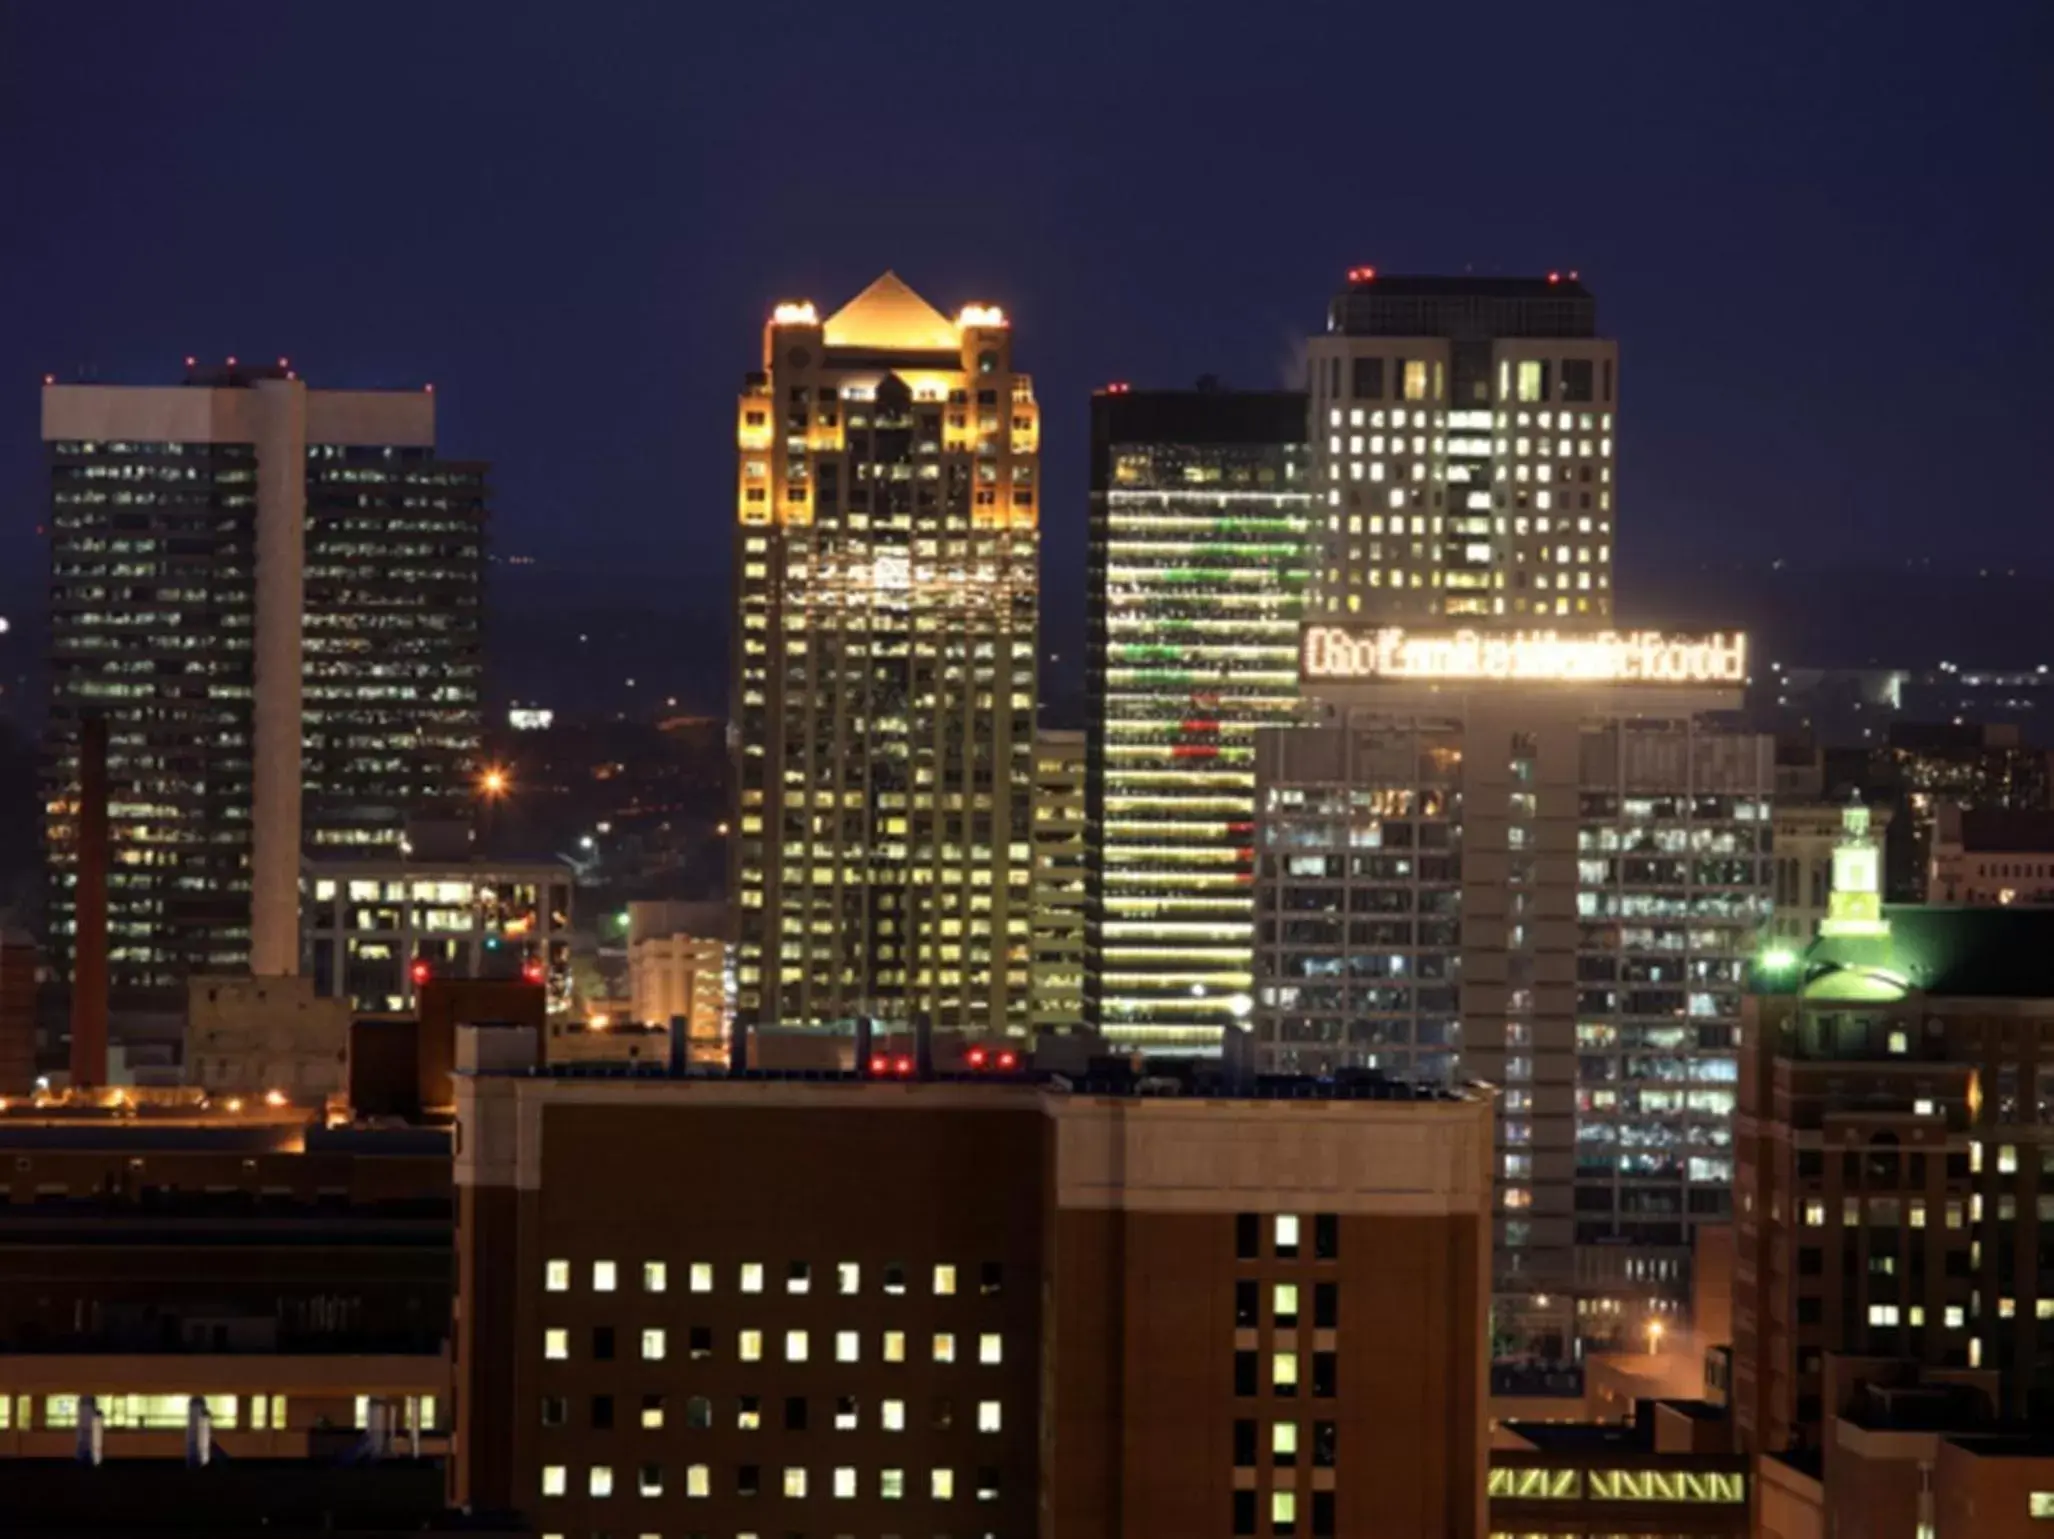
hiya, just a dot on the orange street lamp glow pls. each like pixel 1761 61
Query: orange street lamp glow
pixel 495 781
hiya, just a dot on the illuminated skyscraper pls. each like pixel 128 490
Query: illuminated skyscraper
pixel 1200 563
pixel 1549 877
pixel 886 558
pixel 273 595
pixel 1463 449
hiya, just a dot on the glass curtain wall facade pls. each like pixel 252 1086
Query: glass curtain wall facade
pixel 391 714
pixel 887 567
pixel 1200 563
pixel 1564 909
pixel 197 529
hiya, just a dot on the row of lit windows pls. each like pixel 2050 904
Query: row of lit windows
pixel 848 1415
pixel 848 1348
pixel 848 1277
pixel 794 1481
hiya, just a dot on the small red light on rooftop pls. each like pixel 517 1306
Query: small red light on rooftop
pixel 975 1057
pixel 1361 274
pixel 902 1065
pixel 420 972
pixel 190 360
pixel 49 379
pixel 430 388
pixel 231 363
pixel 531 971
pixel 1554 277
pixel 1008 1061
pixel 879 1064
pixel 285 363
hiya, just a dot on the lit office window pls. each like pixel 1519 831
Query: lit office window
pixel 655 1277
pixel 556 1344
pixel 653 1344
pixel 554 1480
pixel 605 1275
pixel 556 1276
pixel 752 1277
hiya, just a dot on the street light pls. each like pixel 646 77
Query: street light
pixel 495 782
pixel 1654 1337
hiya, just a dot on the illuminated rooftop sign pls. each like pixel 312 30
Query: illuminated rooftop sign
pixel 1597 657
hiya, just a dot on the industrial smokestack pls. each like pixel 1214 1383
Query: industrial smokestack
pixel 199 1432
pixel 89 910
pixel 92 1432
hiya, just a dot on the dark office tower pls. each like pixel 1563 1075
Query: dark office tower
pixel 271 594
pixel 886 574
pixel 1201 559
pixel 1463 450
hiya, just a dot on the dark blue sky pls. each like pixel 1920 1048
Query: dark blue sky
pixel 1821 229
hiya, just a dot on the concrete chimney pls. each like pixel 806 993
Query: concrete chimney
pixel 89 909
pixel 92 1431
pixel 199 1432
pixel 17 1014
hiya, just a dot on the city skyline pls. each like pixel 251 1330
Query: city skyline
pixel 1763 296
pixel 1163 768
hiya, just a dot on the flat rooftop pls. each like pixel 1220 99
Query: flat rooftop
pixel 1154 1084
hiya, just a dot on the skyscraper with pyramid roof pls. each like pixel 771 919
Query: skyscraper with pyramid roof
pixel 886 569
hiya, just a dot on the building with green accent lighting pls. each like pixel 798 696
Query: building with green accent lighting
pixel 1894 1154
pixel 1200 564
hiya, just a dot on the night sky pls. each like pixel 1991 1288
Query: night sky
pixel 1821 231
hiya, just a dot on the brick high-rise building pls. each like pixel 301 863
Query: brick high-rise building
pixel 272 594
pixel 887 570
pixel 1894 1196
pixel 946 1305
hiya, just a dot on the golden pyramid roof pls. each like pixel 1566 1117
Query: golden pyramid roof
pixel 890 315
